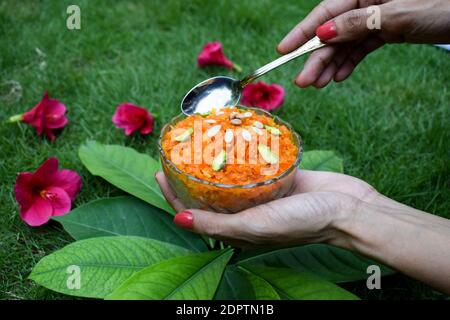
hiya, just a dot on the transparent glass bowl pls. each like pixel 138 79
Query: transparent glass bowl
pixel 227 198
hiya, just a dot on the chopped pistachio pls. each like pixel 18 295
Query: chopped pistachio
pixel 204 114
pixel 258 124
pixel 185 135
pixel 273 130
pixel 219 161
pixel 267 154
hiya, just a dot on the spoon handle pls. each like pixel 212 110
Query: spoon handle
pixel 309 46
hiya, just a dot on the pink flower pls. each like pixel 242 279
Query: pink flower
pixel 212 55
pixel 132 118
pixel 265 96
pixel 45 193
pixel 47 116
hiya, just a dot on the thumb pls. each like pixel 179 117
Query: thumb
pixel 216 225
pixel 349 26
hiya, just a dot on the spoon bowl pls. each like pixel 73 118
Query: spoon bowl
pixel 215 92
pixel 220 92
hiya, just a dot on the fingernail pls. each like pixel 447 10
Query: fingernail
pixel 184 219
pixel 327 31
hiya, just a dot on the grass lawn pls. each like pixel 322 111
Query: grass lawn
pixel 390 121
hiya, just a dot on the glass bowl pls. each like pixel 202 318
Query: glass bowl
pixel 228 198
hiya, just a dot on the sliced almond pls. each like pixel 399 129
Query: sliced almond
pixel 219 161
pixel 229 136
pixel 246 135
pixel 258 131
pixel 258 125
pixel 213 131
pixel 210 121
pixel 234 115
pixel 245 115
pixel 267 154
pixel 236 122
pixel 185 135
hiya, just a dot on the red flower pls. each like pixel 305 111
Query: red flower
pixel 263 95
pixel 212 55
pixel 47 116
pixel 132 118
pixel 45 193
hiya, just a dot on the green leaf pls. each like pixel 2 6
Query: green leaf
pixel 320 160
pixel 239 284
pixel 190 277
pixel 293 285
pixel 328 262
pixel 104 263
pixel 234 286
pixel 127 216
pixel 125 168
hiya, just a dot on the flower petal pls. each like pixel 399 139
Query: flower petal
pixel 263 95
pixel 45 174
pixel 132 118
pixel 38 214
pixel 212 54
pixel 23 190
pixel 59 200
pixel 69 181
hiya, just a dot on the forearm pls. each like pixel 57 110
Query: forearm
pixel 414 242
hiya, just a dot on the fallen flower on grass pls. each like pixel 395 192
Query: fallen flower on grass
pixel 262 95
pixel 46 117
pixel 212 55
pixel 132 118
pixel 46 193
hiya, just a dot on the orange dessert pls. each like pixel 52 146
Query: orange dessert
pixel 229 159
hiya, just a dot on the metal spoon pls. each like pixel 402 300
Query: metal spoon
pixel 219 92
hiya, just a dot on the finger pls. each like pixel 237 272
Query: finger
pixel 314 66
pixel 349 26
pixel 330 71
pixel 306 29
pixel 168 192
pixel 355 57
pixel 327 75
pixel 216 225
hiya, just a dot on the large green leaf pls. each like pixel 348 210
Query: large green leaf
pixel 234 286
pixel 190 277
pixel 238 284
pixel 329 262
pixel 103 263
pixel 125 168
pixel 127 216
pixel 320 160
pixel 295 285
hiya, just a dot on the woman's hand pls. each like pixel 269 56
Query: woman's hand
pixel 318 201
pixel 344 24
pixel 339 210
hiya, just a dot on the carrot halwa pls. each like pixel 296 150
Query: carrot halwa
pixel 230 146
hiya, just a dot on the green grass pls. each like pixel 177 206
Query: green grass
pixel 390 121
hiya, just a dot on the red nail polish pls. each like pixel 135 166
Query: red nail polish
pixel 184 219
pixel 327 31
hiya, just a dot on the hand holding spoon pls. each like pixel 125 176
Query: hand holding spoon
pixel 219 92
